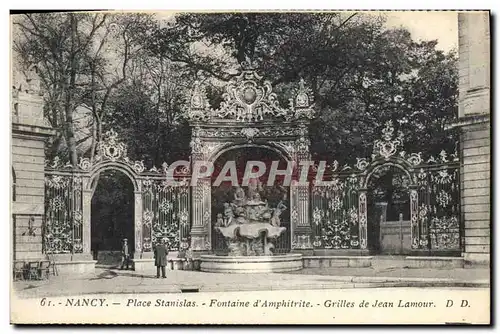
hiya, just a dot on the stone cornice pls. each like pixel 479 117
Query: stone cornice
pixel 32 130
pixel 469 120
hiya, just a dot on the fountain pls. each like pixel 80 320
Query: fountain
pixel 249 225
pixel 250 115
pixel 250 228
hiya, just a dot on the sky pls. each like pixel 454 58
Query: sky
pixel 428 25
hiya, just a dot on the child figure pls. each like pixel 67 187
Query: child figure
pixel 220 220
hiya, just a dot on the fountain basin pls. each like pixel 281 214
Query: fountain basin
pixel 251 264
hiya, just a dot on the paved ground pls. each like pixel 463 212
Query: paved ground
pixel 107 280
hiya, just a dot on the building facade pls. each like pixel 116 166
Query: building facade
pixel 475 141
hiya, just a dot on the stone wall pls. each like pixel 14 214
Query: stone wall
pixel 474 110
pixel 29 132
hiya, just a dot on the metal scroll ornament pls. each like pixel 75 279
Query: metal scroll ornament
pixel 250 99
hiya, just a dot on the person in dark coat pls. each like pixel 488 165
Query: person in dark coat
pixel 160 254
pixel 125 254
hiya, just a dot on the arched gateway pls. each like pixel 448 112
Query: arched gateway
pixel 249 117
pixel 161 209
pixel 342 217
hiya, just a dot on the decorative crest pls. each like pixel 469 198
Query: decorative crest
pixel 111 148
pixel 304 105
pixel 250 99
pixel 246 100
pixel 388 145
pixel 199 108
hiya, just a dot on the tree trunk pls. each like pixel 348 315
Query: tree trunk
pixel 94 141
pixel 69 103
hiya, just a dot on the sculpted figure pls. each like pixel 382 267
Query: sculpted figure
pixel 228 213
pixel 275 219
pixel 268 248
pixel 254 189
pixel 220 220
pixel 239 196
pixel 235 248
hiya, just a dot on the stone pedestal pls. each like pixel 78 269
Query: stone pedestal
pixel 144 264
pixel 434 262
pixel 75 267
pixel 251 264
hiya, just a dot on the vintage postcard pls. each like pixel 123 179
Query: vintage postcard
pixel 328 167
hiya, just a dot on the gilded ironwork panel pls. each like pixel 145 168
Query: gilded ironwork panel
pixel 439 207
pixel 166 214
pixel 63 226
pixel 334 212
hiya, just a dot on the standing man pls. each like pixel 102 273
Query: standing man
pixel 160 254
pixel 125 254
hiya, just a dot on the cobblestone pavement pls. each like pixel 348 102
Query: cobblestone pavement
pixel 107 280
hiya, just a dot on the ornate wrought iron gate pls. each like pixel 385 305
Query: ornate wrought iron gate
pixel 339 210
pixel 62 230
pixel 161 208
pixel 166 214
pixel 334 211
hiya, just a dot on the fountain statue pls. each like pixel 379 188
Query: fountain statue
pixel 248 224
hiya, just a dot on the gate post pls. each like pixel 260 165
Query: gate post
pixel 414 218
pixel 299 216
pixel 363 228
pixel 299 211
pixel 201 200
pixel 138 253
pixel 86 207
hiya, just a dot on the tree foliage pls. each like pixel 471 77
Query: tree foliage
pixel 75 57
pixel 128 72
pixel 362 74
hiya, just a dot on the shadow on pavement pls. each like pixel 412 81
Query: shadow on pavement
pixel 30 287
pixel 112 273
pixel 107 274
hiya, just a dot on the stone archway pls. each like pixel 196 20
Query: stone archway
pixel 112 155
pixel 89 186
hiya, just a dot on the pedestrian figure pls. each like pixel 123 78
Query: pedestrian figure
pixel 160 254
pixel 125 254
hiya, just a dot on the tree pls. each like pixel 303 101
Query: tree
pixel 108 69
pixel 76 57
pixel 56 45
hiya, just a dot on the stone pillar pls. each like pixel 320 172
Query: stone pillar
pixel 87 228
pixel 138 253
pixel 299 211
pixel 474 122
pixel 201 206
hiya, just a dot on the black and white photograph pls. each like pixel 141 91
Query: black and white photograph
pixel 250 167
